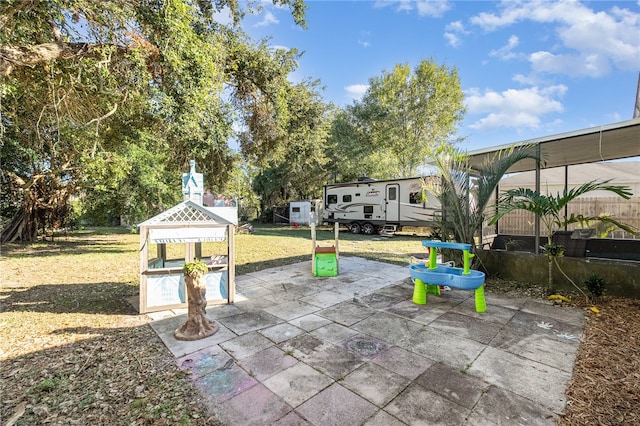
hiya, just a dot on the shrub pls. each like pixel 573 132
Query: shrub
pixel 195 268
pixel 596 285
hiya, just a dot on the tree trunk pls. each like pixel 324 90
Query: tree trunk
pixel 198 326
pixel 44 206
pixel 23 227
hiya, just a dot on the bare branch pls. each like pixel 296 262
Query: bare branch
pixel 30 56
pixel 97 119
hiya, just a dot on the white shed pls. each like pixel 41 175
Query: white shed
pixel 300 211
pixel 179 235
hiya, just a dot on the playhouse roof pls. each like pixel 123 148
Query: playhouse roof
pixel 191 213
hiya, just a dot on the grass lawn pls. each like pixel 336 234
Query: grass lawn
pixel 73 350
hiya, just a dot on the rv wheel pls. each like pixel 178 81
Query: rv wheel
pixel 355 228
pixel 368 229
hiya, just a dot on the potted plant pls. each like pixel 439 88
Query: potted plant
pixel 198 326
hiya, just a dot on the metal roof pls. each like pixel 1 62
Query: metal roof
pixel 608 142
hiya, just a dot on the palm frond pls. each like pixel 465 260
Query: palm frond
pixel 549 208
pixel 600 219
pixel 496 167
pixel 465 193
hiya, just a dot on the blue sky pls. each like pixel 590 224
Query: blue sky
pixel 528 69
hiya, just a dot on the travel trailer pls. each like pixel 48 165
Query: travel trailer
pixel 370 205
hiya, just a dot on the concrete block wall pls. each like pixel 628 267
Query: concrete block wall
pixel 622 277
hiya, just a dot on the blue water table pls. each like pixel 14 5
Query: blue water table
pixel 428 277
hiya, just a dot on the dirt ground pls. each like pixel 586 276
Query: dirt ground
pixel 605 389
pixel 79 354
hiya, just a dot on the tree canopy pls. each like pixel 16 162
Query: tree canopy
pixel 113 96
pixel 297 169
pixel 405 116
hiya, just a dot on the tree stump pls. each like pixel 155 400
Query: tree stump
pixel 198 326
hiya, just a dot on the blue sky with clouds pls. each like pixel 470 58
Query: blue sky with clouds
pixel 528 69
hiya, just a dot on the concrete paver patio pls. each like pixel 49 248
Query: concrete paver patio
pixel 355 350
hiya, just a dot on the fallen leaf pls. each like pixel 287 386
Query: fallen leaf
pixel 19 412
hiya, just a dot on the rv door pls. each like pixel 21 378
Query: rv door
pixel 393 203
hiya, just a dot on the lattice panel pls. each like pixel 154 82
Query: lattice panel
pixel 187 214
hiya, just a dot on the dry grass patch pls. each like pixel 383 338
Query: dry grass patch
pixel 74 351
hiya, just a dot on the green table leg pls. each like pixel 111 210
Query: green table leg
pixel 433 289
pixel 481 304
pixel 433 258
pixel 419 292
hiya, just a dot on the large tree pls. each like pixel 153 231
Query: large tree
pixel 409 114
pixel 295 169
pixel 352 153
pixel 99 86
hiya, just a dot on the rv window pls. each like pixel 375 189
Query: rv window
pixel 415 197
pixel 332 199
pixel 295 209
pixel 392 193
pixel 346 198
pixel 368 209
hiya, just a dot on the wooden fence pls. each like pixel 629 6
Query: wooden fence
pixel 626 211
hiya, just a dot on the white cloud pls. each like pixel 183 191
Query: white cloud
pixel 363 40
pixel 434 8
pixel 356 91
pixel 589 43
pixel 268 19
pixel 525 80
pixel 614 117
pixel 514 108
pixel 513 12
pixel 506 53
pixel 457 27
pixel 453 40
pixel 452 30
pixel 593 65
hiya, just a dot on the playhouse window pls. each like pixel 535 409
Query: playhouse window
pixel 295 209
pixel 346 198
pixel 172 255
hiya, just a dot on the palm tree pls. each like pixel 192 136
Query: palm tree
pixel 549 208
pixel 464 193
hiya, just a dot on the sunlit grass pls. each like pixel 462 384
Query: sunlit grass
pixel 101 256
